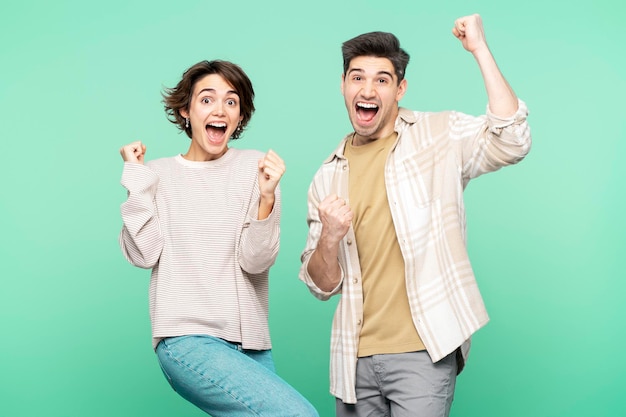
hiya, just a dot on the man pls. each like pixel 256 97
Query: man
pixel 387 229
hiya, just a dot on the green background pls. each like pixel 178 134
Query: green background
pixel 79 79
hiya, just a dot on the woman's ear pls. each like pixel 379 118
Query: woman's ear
pixel 184 113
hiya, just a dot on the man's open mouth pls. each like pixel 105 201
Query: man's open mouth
pixel 366 111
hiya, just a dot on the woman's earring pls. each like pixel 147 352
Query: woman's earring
pixel 186 123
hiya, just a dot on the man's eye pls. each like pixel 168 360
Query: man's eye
pixel 382 81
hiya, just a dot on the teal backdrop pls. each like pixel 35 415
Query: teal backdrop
pixel 79 79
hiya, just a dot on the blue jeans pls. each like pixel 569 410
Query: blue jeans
pixel 223 379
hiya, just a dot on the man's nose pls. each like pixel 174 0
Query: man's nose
pixel 368 89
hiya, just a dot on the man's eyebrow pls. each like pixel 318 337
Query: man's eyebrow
pixel 378 73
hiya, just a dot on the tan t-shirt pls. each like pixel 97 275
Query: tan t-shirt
pixel 387 323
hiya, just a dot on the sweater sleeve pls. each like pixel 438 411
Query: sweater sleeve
pixel 141 239
pixel 260 239
pixel 489 142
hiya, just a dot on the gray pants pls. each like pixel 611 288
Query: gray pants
pixel 402 385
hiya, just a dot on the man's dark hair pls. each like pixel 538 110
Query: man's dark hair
pixel 377 44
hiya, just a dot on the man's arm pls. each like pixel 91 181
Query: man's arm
pixel 502 99
pixel 323 267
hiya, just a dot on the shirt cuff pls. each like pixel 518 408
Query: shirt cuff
pixel 497 123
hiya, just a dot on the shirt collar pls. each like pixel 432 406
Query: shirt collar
pixel 406 115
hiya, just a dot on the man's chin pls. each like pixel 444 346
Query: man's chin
pixel 364 132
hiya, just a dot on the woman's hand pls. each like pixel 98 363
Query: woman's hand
pixel 271 170
pixel 133 152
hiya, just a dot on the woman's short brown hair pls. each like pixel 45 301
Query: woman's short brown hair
pixel 177 98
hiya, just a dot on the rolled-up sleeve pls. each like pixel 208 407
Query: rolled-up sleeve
pixel 491 142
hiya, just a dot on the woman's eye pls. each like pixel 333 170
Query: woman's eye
pixel 206 100
pixel 231 102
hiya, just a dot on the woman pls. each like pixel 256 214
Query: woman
pixel 207 223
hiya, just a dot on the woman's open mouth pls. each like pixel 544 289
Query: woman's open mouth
pixel 216 131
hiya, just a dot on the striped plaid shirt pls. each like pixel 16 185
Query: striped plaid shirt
pixel 195 224
pixel 433 159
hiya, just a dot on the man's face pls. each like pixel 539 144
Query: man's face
pixel 371 92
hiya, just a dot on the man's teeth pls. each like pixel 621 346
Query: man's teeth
pixel 367 105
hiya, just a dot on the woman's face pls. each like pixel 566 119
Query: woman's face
pixel 214 114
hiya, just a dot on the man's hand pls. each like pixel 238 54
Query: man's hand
pixel 133 152
pixel 469 30
pixel 336 218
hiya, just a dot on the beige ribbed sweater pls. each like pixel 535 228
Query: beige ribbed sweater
pixel 195 224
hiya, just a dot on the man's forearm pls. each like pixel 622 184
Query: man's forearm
pixel 323 266
pixel 502 98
